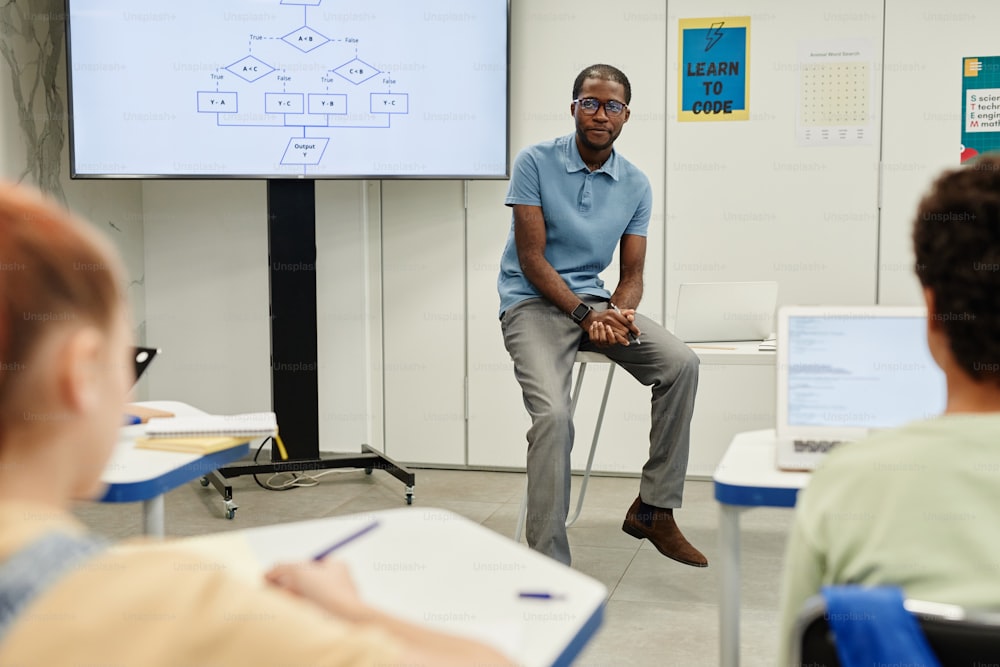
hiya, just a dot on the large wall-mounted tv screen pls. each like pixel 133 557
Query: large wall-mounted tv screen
pixel 289 88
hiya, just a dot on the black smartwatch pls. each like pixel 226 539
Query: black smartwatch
pixel 580 313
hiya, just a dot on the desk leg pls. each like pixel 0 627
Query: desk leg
pixel 152 517
pixel 729 603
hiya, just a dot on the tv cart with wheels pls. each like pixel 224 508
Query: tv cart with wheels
pixel 291 237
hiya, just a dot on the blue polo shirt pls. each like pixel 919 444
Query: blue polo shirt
pixel 586 214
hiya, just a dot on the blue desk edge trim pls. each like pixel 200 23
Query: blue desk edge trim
pixel 573 649
pixel 130 492
pixel 755 496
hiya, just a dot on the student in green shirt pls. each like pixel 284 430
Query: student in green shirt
pixel 919 507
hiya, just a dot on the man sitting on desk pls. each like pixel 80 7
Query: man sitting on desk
pixel 575 200
pixel 919 507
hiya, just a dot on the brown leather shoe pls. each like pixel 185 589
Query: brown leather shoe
pixel 658 526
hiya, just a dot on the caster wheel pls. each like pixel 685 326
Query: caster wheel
pixel 231 513
pixel 409 498
pixel 368 471
pixel 204 481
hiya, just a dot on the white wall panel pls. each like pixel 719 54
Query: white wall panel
pixel 423 269
pixel 207 293
pixel 745 201
pixel 925 44
pixel 349 316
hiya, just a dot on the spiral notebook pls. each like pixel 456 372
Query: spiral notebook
pixel 248 425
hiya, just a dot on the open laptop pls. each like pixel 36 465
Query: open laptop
pixel 719 312
pixel 844 372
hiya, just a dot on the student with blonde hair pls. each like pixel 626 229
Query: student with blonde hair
pixel 66 598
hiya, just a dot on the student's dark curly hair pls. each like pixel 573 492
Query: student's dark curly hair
pixel 605 73
pixel 956 239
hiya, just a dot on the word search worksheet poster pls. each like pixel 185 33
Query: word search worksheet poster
pixel 836 93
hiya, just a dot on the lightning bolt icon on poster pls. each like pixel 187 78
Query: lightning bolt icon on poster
pixel 714 34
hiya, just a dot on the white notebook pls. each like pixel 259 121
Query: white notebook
pixel 250 424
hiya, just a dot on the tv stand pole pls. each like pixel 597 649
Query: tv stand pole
pixel 291 239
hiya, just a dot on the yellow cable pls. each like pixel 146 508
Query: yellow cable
pixel 281 447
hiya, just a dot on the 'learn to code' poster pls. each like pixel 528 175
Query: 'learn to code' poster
pixel 714 81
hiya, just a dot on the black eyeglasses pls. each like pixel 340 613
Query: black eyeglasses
pixel 590 105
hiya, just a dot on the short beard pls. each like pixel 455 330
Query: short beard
pixel 587 143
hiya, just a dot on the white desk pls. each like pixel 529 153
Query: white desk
pixel 745 478
pixel 742 352
pixel 736 390
pixel 133 475
pixel 435 568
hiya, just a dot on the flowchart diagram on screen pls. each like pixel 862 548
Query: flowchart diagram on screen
pixel 289 88
pixel 293 107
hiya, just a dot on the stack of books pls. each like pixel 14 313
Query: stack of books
pixel 204 434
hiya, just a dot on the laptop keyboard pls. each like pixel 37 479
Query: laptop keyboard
pixel 815 445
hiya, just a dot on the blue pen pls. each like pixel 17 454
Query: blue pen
pixel 132 420
pixel 350 538
pixel 538 596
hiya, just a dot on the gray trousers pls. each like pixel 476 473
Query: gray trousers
pixel 542 342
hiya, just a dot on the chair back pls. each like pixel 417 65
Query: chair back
pixel 958 637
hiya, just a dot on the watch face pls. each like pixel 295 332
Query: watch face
pixel 580 313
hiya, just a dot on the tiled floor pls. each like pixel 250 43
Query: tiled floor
pixel 659 612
